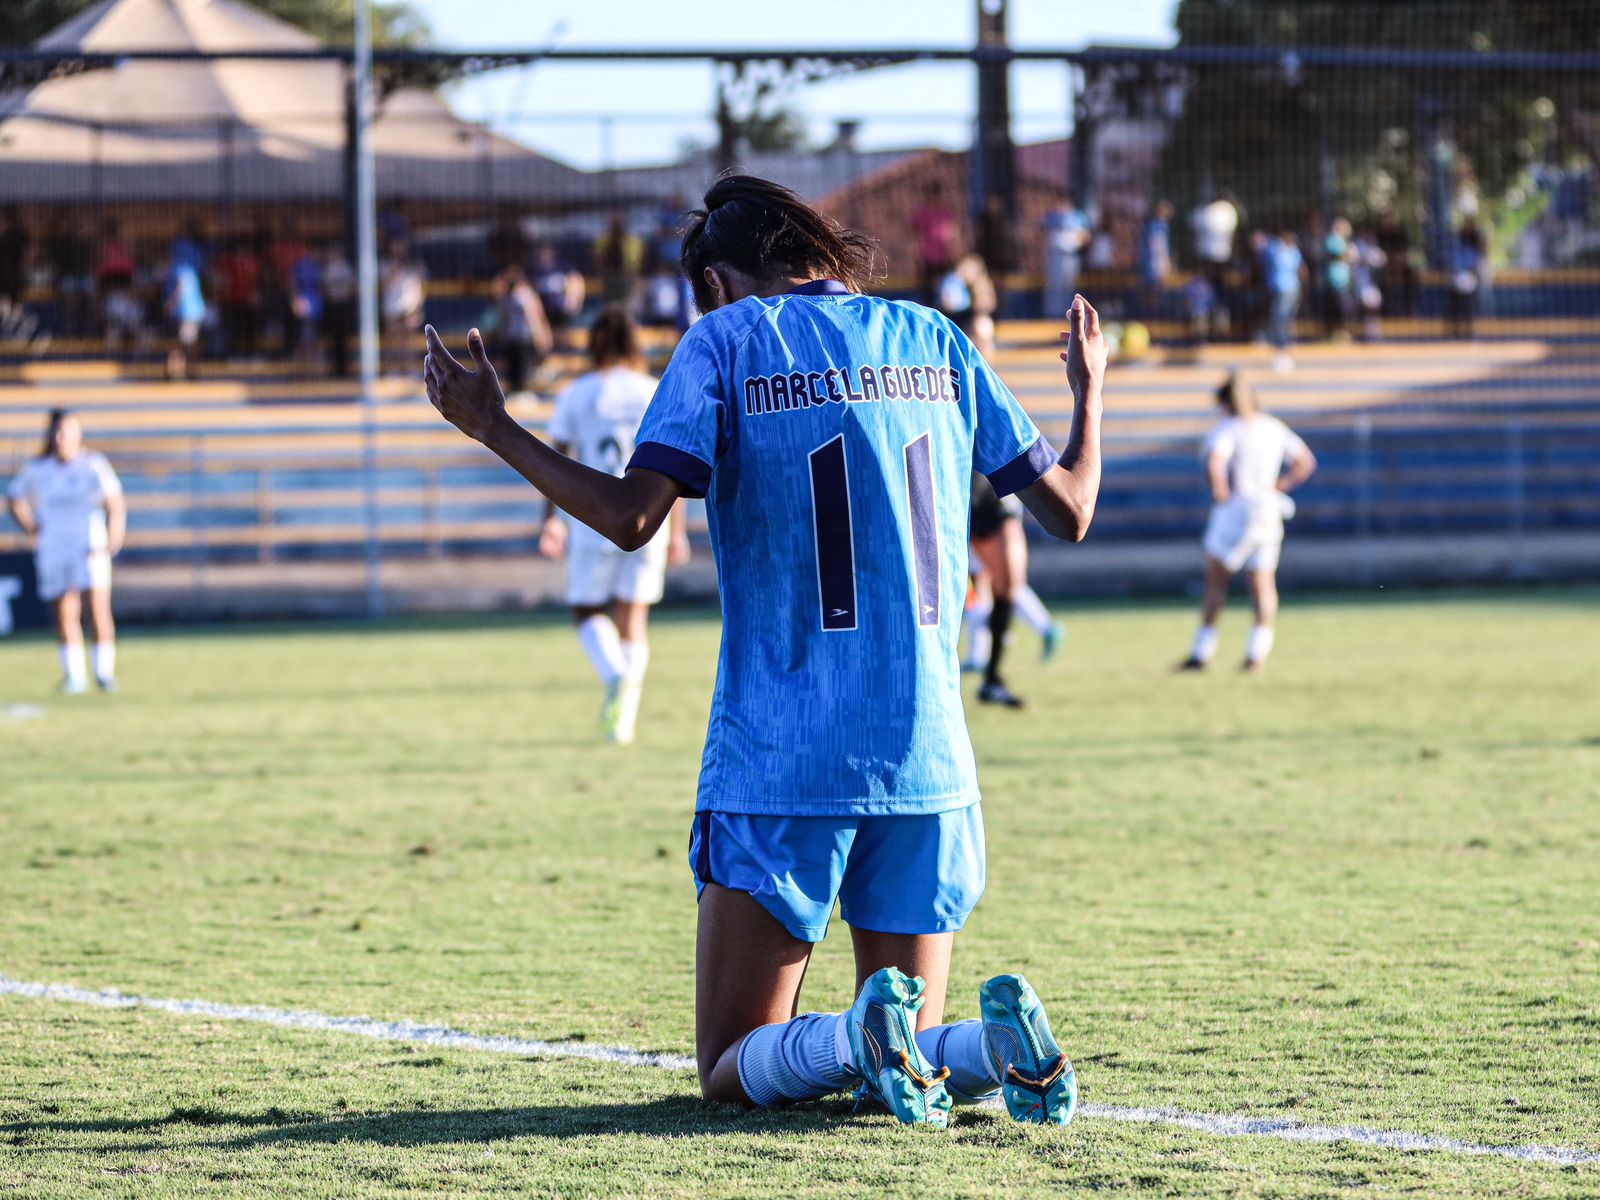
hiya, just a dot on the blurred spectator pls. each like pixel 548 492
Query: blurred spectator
pixel 934 222
pixel 967 296
pixel 619 258
pixel 664 295
pixel 1338 280
pixel 114 275
pixel 1067 233
pixel 239 280
pixel 1398 280
pixel 403 289
pixel 1214 225
pixel 1256 301
pixel 1284 267
pixel 1199 305
pixel 305 304
pixel 1367 265
pixel 561 291
pixel 521 334
pixel 13 263
pixel 1466 266
pixel 183 303
pixel 995 237
pixel 72 265
pixel 1155 259
pixel 286 249
pixel 339 287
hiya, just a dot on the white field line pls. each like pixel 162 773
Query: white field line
pixel 442 1036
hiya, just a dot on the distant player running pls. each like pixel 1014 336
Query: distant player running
pixel 1000 588
pixel 1253 461
pixel 833 435
pixel 596 420
pixel 69 501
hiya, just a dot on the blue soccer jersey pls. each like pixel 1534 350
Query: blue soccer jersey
pixel 834 436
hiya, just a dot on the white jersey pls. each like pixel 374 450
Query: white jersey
pixel 598 418
pixel 1257 449
pixel 69 501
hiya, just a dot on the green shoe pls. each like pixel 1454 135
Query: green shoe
pixel 882 1024
pixel 1035 1077
pixel 611 711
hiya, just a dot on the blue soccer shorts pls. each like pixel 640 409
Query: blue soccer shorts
pixel 890 874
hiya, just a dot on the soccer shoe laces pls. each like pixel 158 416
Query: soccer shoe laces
pixel 1041 1084
pixel 939 1076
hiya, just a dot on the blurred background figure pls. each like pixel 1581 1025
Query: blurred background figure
pixel 521 334
pixel 1367 266
pixel 69 501
pixel 339 287
pixel 561 290
pixel 1338 280
pixel 238 271
pixel 1285 269
pixel 14 244
pixel 619 261
pixel 1213 225
pixel 1466 281
pixel 403 289
pixel 306 305
pixel 1252 461
pixel 1155 260
pixel 121 311
pixel 938 235
pixel 967 296
pixel 596 421
pixel 183 305
pixel 1067 233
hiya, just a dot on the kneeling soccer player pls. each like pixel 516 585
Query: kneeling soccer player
pixel 833 435
pixel 596 421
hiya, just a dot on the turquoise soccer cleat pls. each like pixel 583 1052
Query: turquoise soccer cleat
pixel 882 1024
pixel 1035 1077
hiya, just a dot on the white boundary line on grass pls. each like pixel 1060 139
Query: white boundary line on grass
pixel 442 1036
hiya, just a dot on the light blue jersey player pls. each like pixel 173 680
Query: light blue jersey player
pixel 833 436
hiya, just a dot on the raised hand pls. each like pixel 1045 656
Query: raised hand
pixel 470 400
pixel 1085 354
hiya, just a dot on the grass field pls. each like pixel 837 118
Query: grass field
pixel 1363 890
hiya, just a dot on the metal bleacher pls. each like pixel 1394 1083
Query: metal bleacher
pixel 1414 437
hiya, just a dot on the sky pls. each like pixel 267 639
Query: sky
pixel 562 109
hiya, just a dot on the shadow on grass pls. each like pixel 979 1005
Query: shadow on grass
pixel 667 1116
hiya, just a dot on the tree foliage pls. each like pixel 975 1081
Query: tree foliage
pixel 1289 138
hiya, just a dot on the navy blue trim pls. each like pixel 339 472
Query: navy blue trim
pixel 700 839
pixel 1025 469
pixel 692 474
pixel 820 287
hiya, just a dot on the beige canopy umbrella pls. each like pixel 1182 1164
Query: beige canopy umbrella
pixel 237 129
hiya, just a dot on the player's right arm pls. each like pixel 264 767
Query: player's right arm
pixel 20 507
pixel 628 511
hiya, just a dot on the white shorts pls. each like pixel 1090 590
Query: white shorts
pixel 1241 540
pixel 600 573
pixel 73 572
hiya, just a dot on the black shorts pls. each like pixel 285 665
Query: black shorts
pixel 989 511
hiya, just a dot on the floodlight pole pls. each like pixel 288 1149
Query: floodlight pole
pixel 367 299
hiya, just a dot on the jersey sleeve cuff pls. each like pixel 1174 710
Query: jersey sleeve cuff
pixel 692 474
pixel 1025 469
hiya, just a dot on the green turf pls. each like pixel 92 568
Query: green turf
pixel 1360 890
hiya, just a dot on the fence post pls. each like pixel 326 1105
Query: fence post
pixel 1366 570
pixel 1516 502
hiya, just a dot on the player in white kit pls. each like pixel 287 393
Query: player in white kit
pixel 1253 461
pixel 69 501
pixel 596 421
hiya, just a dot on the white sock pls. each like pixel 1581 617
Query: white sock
pixel 105 660
pixel 1260 643
pixel 72 664
pixel 1031 609
pixel 637 657
pixel 795 1060
pixel 1205 643
pixel 598 637
pixel 960 1048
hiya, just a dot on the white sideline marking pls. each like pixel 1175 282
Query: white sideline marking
pixel 21 712
pixel 1217 1125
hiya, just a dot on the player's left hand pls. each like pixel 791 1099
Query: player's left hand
pixel 1085 354
pixel 472 401
pixel 678 552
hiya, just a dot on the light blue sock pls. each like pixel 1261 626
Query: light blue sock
pixel 794 1060
pixel 960 1047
